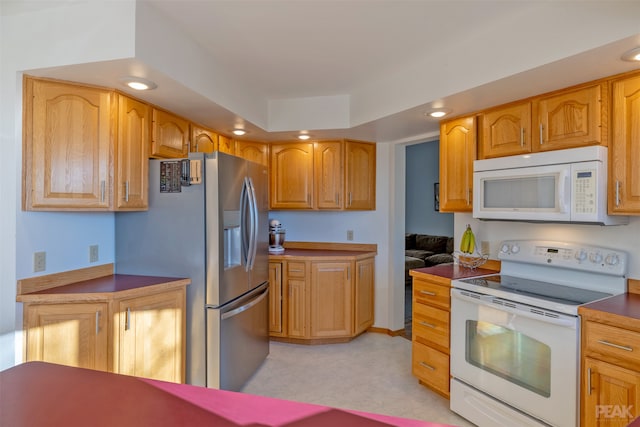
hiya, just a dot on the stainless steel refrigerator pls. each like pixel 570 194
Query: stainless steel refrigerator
pixel 208 221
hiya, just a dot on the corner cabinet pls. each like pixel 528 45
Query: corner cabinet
pixel 624 160
pixel 325 296
pixel 138 328
pixel 324 175
pixel 457 153
pixel 84 148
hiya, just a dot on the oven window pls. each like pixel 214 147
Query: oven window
pixel 510 355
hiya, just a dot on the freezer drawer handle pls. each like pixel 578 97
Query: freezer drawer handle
pixel 245 307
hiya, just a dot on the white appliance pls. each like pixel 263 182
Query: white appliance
pixel 558 186
pixel 207 220
pixel 515 335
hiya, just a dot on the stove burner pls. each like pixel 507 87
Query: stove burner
pixel 539 290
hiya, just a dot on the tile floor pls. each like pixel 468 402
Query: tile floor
pixel 371 373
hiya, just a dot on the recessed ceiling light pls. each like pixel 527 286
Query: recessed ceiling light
pixel 138 83
pixel 438 112
pixel 304 136
pixel 239 132
pixel 632 55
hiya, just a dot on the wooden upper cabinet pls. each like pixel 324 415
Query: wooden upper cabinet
pixel 360 175
pixel 254 151
pixel 131 165
pixel 66 146
pixel 571 119
pixel 457 153
pixel 624 150
pixel 329 176
pixel 225 145
pixel 291 176
pixel 203 140
pixel 505 131
pixel 170 135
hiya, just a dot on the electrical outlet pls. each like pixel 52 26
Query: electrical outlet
pixel 39 261
pixel 349 234
pixel 93 253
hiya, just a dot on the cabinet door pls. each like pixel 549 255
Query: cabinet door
pixel 457 153
pixel 331 299
pixel 506 131
pixel 291 176
pixel 203 140
pixel 624 151
pixel 275 299
pixel 131 187
pixel 253 151
pixel 72 334
pixel 327 158
pixel 66 148
pixel 170 135
pixel 570 119
pixel 296 308
pixel 225 145
pixel 364 295
pixel 610 396
pixel 360 175
pixel 151 333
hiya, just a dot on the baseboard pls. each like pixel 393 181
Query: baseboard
pixel 386 331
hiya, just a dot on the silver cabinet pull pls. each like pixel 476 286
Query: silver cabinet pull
pixel 621 347
pixel 127 324
pixel 432 294
pixel 430 325
pixel 126 191
pixel 102 184
pixel 424 365
pixel 589 381
pixel 617 193
pixel 97 322
pixel 521 137
pixel 541 138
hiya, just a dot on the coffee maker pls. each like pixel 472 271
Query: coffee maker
pixel 276 237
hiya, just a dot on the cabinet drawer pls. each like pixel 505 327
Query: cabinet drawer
pixel 296 269
pixel 431 326
pixel 431 367
pixel 615 344
pixel 432 294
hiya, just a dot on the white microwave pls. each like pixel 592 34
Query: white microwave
pixel 555 186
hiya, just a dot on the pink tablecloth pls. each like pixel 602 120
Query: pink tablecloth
pixel 38 394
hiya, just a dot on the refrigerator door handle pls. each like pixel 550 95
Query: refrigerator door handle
pixel 245 307
pixel 245 238
pixel 253 217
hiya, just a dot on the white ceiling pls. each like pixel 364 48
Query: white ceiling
pixel 381 63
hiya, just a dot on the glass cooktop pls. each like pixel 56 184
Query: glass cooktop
pixel 559 294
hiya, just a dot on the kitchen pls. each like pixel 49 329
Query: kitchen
pixel 65 237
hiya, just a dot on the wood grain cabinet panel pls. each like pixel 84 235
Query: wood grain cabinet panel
pixel 170 135
pixel 457 153
pixel 291 176
pixel 329 176
pixel 331 299
pixel 364 295
pixel 275 299
pixel 505 131
pixel 203 140
pixel 226 145
pixel 360 175
pixel 254 151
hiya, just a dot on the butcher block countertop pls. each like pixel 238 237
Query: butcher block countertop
pixel 318 251
pixel 38 394
pixel 448 272
pixel 92 284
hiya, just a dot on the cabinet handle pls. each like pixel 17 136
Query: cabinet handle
pixel 97 322
pixel 617 193
pixel 127 324
pixel 424 365
pixel 350 198
pixel 126 191
pixel 521 137
pixel 589 381
pixel 102 184
pixel 430 325
pixel 337 199
pixel 348 273
pixel 432 294
pixel 541 138
pixel 621 347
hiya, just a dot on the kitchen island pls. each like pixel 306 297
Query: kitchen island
pixel 39 394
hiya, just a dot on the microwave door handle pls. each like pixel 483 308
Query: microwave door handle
pixel 563 194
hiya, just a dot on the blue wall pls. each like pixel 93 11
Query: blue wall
pixel 422 172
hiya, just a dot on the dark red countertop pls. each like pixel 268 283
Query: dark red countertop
pixel 451 271
pixel 627 305
pixel 109 284
pixel 38 394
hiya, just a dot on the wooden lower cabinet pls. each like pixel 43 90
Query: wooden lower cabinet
pixel 72 334
pixel 275 298
pixel 431 307
pixel 328 300
pixel 142 336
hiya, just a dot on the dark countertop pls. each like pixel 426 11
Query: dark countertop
pixel 38 394
pixel 621 310
pixel 451 271
pixel 321 253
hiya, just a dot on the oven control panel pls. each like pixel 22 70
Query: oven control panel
pixel 567 255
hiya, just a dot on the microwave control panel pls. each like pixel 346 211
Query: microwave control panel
pixel 585 191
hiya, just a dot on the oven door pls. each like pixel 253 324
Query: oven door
pixel 521 355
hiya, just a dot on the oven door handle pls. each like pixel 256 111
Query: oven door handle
pixel 540 315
